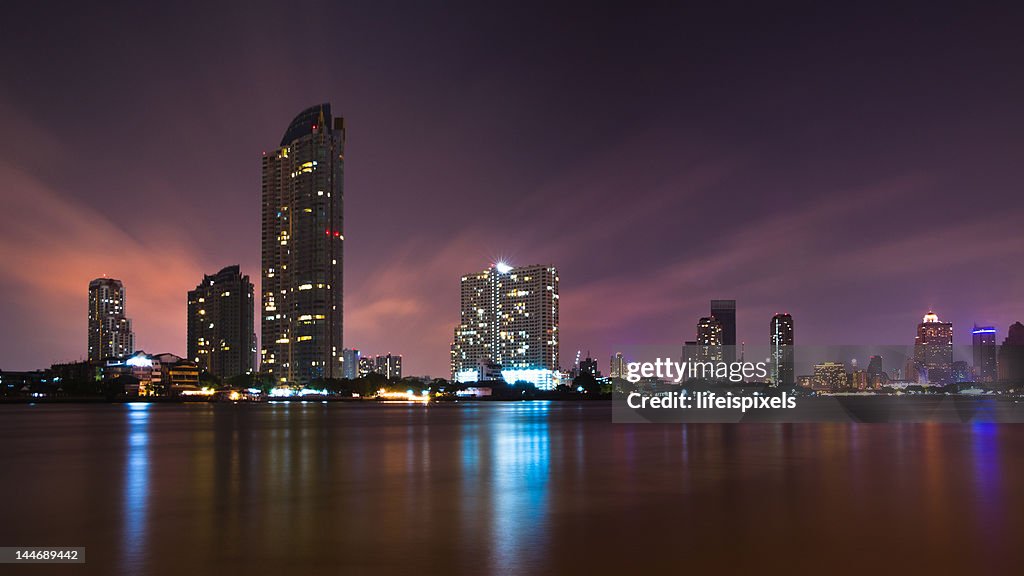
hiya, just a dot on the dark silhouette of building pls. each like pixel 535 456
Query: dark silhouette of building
pixel 782 361
pixel 725 312
pixel 1011 356
pixel 984 348
pixel 303 234
pixel 221 340
pixel 589 366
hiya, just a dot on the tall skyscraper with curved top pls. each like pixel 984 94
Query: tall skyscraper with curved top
pixel 303 235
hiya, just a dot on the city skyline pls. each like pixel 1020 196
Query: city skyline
pixel 862 193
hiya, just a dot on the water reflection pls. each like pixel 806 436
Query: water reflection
pixel 520 449
pixel 135 505
pixel 501 488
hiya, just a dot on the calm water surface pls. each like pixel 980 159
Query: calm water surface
pixel 502 488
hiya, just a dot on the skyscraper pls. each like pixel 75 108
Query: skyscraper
pixel 933 348
pixel 725 312
pixel 509 316
pixel 984 340
pixel 220 324
pixel 617 366
pixel 782 361
pixel 709 340
pixel 1011 356
pixel 110 332
pixel 303 236
pixel 350 363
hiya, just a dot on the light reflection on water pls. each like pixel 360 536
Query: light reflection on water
pixel 504 488
pixel 136 485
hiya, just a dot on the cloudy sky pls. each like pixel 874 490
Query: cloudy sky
pixel 853 166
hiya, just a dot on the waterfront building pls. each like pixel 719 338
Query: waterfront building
pixel 984 349
pixel 1011 356
pixel 830 377
pixel 110 331
pixel 510 317
pixel 388 366
pixel 725 312
pixel 350 363
pixel 933 349
pixel 783 370
pixel 221 340
pixel 709 340
pixel 302 256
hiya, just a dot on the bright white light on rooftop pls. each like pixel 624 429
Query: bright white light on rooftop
pixel 502 267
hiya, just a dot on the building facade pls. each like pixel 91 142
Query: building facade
pixel 617 366
pixel 1011 356
pixel 509 316
pixel 221 339
pixel 388 366
pixel 933 349
pixel 783 369
pixel 984 351
pixel 725 312
pixel 110 331
pixel 350 363
pixel 709 340
pixel 830 377
pixel 303 236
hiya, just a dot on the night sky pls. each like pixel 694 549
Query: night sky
pixel 853 166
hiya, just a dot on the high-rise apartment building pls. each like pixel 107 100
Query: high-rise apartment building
pixel 709 340
pixel 221 339
pixel 984 348
pixel 725 312
pixel 303 236
pixel 388 366
pixel 509 316
pixel 110 332
pixel 783 371
pixel 933 349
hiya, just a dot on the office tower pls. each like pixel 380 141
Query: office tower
pixel 782 360
pixel 110 332
pixel 1011 356
pixel 933 349
pixel 709 340
pixel 984 340
pixel 509 316
pixel 220 324
pixel 830 377
pixel 388 366
pixel 350 363
pixel 725 312
pixel 617 366
pixel 303 235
